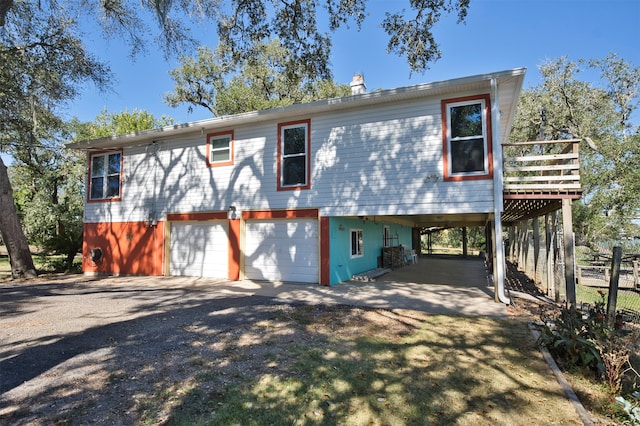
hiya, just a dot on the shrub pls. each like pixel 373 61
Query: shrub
pixel 573 335
pixel 584 339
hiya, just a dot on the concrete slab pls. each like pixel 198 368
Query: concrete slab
pixel 440 285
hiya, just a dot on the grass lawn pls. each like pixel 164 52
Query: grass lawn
pixel 43 264
pixel 322 365
pixel 627 299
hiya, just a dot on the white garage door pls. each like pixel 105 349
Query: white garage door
pixel 282 250
pixel 199 249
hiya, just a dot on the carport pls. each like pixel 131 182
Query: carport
pixel 452 285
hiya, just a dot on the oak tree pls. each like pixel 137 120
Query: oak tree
pixel 600 113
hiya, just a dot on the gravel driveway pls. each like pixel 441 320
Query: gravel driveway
pixel 56 331
pixel 63 338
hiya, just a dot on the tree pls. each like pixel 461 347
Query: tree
pixel 51 182
pixel 110 124
pixel 42 63
pixel 564 107
pixel 260 82
pixel 241 23
pixel 49 200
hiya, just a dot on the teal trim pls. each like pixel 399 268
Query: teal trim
pixel 342 266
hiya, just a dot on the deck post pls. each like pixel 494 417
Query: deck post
pixel 536 248
pixel 569 252
pixel 548 245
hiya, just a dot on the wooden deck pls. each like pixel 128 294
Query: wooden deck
pixel 538 175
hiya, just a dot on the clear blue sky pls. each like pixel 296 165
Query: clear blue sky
pixel 497 35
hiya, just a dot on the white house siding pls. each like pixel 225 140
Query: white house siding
pixel 379 160
pixel 282 250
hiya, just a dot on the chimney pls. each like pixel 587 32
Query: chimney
pixel 357 84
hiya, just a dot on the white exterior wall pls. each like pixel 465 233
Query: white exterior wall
pixel 380 160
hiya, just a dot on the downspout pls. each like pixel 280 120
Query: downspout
pixel 499 265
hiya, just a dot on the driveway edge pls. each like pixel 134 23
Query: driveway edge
pixel 582 412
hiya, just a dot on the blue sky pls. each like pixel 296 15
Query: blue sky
pixel 497 35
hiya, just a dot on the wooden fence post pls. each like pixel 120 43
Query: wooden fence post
pixel 613 286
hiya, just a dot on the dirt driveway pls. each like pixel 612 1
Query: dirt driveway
pixel 76 350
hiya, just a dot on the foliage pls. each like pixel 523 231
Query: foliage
pixel 259 82
pixel 42 64
pixel 584 339
pixel 452 237
pixel 240 24
pixel 564 107
pixel 573 335
pixel 295 23
pixel 50 201
pixel 50 182
pixel 111 124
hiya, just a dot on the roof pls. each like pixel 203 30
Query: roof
pixel 508 105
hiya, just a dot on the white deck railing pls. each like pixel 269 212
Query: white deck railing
pixel 542 166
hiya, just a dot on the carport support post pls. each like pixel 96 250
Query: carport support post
pixel 499 262
pixel 464 242
pixel 569 252
pixel 548 244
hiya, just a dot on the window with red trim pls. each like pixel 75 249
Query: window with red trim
pixel 220 149
pixel 467 138
pixel 105 176
pixel 294 155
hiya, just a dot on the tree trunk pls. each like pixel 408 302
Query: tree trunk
pixel 12 234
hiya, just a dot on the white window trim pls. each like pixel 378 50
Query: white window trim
pixel 361 243
pixel 306 124
pixel 229 135
pixel 485 144
pixel 105 176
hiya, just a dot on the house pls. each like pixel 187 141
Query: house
pixel 306 193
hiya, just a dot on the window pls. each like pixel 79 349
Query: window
pixel 104 180
pixel 467 138
pixel 220 149
pixel 356 243
pixel 386 236
pixel 293 155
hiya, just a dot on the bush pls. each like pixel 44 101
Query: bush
pixel 573 336
pixel 584 339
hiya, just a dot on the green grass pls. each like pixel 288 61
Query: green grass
pixel 43 264
pixel 628 300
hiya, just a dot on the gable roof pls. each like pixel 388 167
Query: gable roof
pixel 507 82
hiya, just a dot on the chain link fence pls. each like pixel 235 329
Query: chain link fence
pixel 594 281
pixel 593 276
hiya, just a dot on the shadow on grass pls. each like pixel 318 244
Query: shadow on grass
pixel 189 359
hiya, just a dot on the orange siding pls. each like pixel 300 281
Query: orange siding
pixel 129 248
pixel 234 249
pixel 197 216
pixel 280 214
